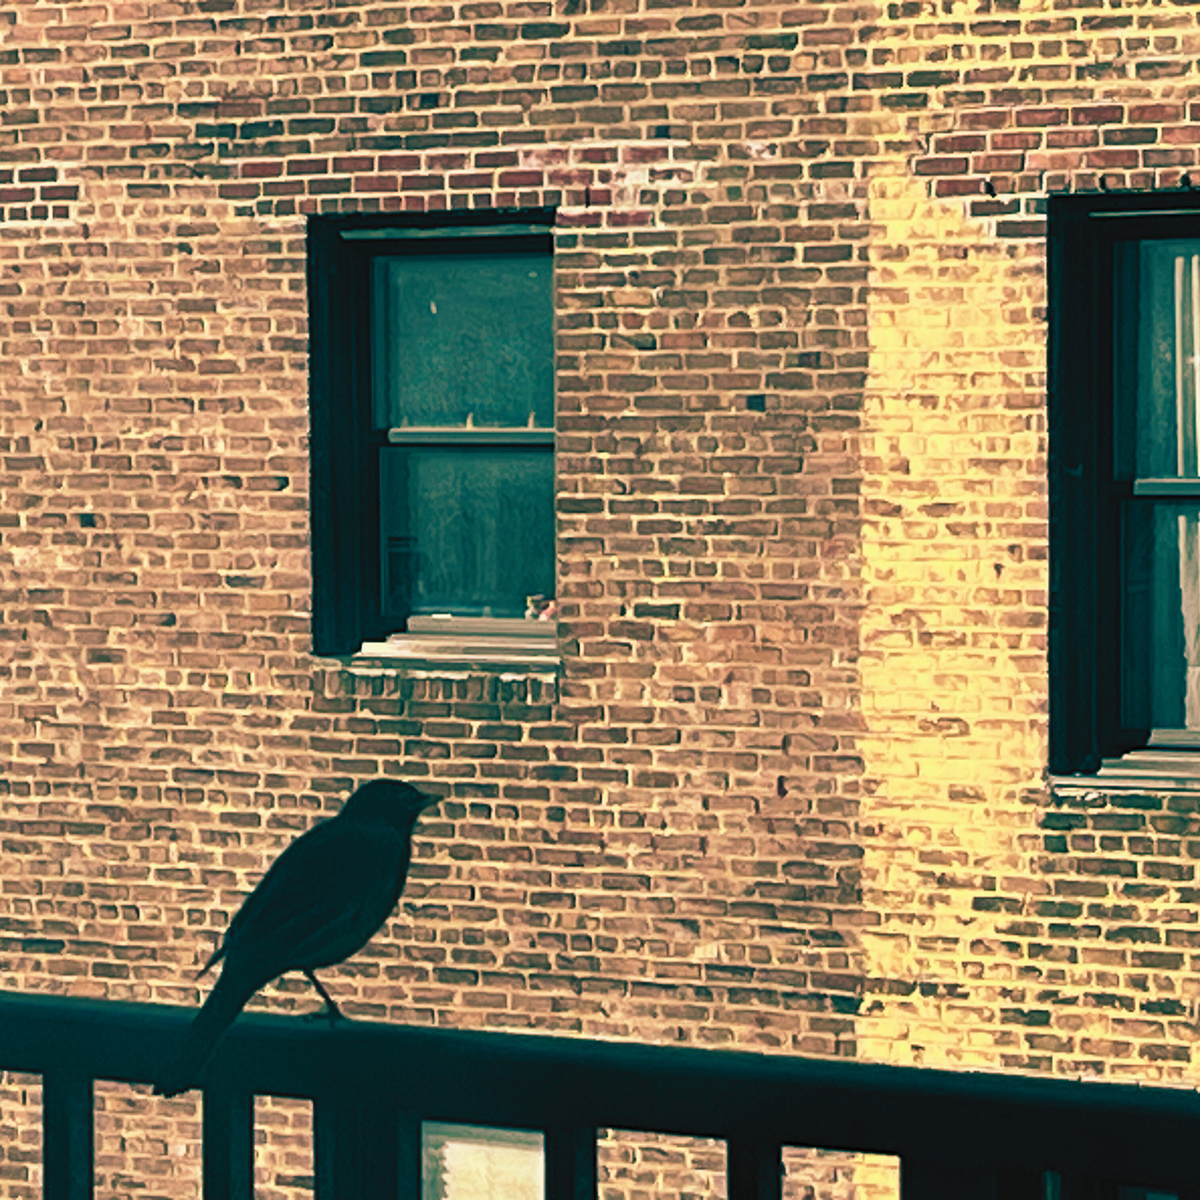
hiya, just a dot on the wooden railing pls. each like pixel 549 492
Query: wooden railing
pixel 960 1135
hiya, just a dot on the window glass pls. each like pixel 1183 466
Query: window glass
pixel 1158 358
pixel 1161 616
pixel 463 338
pixel 465 529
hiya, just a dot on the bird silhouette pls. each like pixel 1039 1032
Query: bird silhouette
pixel 321 901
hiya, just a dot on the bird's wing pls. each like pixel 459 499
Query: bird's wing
pixel 322 899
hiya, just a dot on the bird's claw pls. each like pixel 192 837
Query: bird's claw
pixel 328 1011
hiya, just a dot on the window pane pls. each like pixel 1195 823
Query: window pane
pixel 463 338
pixel 1161 616
pixel 467 530
pixel 1158 358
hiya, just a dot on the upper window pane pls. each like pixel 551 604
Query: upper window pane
pixel 462 339
pixel 1158 359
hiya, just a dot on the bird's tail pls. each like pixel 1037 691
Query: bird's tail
pixel 184 1064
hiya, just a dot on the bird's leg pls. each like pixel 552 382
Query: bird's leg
pixel 331 1009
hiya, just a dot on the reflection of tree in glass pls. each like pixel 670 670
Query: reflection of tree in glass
pixel 463 1162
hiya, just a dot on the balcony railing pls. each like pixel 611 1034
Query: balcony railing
pixel 965 1135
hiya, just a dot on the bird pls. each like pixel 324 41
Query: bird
pixel 320 902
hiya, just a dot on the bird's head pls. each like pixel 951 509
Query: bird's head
pixel 388 801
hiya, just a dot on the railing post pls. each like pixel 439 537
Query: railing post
pixel 365 1152
pixel 67 1136
pixel 228 1145
pixel 753 1168
pixel 570 1163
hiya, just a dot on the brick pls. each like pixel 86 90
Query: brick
pixel 942 165
pixel 1097 114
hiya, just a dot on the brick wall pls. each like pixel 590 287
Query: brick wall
pixel 788 790
pixel 1018 928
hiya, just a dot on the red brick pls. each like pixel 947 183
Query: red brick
pixel 941 166
pixel 307 166
pixel 399 162
pixel 520 179
pixel 376 183
pixel 1045 117
pixel 1097 114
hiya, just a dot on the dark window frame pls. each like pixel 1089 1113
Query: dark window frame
pixel 1086 498
pixel 344 448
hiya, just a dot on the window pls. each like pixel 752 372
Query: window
pixel 432 428
pixel 1124 476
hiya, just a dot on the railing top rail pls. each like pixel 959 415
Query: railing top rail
pixel 539 1081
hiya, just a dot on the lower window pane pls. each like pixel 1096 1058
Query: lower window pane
pixel 467 530
pixel 1160 648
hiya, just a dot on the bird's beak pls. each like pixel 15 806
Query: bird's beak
pixel 431 801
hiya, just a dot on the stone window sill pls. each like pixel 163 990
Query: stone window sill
pixel 509 647
pixel 1150 770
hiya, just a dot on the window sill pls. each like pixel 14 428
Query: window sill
pixel 1148 770
pixel 444 652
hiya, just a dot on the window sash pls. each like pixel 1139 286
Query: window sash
pixel 466 562
pixel 1156 396
pixel 1156 361
pixel 462 335
pixel 466 529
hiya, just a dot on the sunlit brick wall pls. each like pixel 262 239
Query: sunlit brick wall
pixel 787 792
pixel 1017 928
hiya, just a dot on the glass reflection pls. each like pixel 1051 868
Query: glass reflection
pixel 1162 616
pixel 464 529
pixel 469 1162
pixel 463 339
pixel 1158 359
